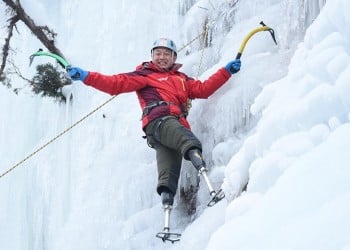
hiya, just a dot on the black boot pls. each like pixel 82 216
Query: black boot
pixel 167 198
pixel 196 158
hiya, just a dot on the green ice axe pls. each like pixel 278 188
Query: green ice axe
pixel 253 32
pixel 58 58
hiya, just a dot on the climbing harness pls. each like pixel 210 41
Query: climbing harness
pixel 153 105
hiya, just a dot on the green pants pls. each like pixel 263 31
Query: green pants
pixel 171 140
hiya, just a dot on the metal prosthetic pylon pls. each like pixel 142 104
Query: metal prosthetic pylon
pixel 216 195
pixel 166 235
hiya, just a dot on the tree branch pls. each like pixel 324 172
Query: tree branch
pixel 6 47
pixel 45 35
pixel 38 31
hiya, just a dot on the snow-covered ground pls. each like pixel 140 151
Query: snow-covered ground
pixel 282 123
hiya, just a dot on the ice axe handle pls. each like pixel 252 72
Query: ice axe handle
pixel 254 31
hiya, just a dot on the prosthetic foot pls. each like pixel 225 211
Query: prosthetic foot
pixel 166 235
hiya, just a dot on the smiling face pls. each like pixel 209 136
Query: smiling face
pixel 163 58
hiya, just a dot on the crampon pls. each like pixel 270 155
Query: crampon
pixel 216 197
pixel 167 236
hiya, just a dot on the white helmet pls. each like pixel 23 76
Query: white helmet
pixel 166 43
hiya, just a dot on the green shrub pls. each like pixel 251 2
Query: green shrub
pixel 49 80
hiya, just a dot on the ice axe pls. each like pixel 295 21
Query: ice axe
pixel 61 61
pixel 58 58
pixel 253 32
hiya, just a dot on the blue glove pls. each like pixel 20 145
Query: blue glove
pixel 76 73
pixel 233 66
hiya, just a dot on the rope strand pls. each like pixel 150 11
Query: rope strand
pixel 56 137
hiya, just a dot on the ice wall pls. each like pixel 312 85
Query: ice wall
pixel 94 188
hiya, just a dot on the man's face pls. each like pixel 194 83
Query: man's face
pixel 164 58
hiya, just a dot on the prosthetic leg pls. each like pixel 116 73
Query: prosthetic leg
pixel 166 235
pixel 198 162
pixel 216 196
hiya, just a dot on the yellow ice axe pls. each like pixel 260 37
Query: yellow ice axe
pixel 253 32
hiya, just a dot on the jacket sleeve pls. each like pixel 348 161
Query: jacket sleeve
pixel 198 89
pixel 115 84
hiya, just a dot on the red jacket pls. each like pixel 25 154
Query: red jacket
pixel 153 84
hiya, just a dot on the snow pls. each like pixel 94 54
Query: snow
pixel 281 123
pixel 304 208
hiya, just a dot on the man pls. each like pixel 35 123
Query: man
pixel 163 93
